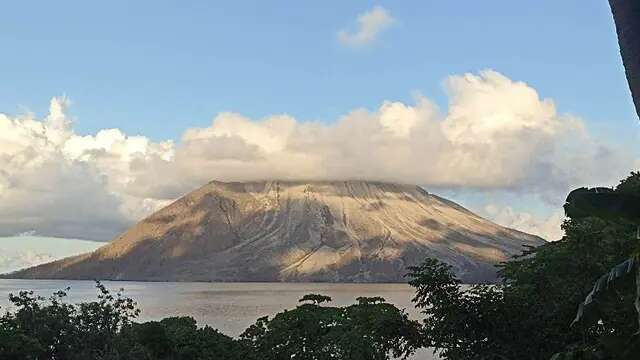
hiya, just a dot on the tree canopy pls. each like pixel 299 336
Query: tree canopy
pixel 529 315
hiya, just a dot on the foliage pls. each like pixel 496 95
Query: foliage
pixel 606 281
pixel 371 329
pixel 57 330
pixel 620 205
pixel 461 323
pixel 603 203
pixel 528 315
pixel 315 298
pixel 631 184
pixel 179 338
pixel 103 329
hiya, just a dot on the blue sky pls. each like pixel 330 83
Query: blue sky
pixel 160 69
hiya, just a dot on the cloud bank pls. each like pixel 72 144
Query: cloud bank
pixel 370 24
pixel 547 227
pixel 496 134
pixel 17 252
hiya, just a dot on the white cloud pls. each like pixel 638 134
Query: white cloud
pixel 370 24
pixel 497 134
pixel 26 250
pixel 22 259
pixel 547 227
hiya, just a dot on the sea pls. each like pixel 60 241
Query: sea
pixel 228 307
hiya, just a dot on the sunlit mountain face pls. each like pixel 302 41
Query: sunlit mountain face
pixel 298 231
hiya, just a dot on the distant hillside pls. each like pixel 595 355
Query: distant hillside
pixel 334 231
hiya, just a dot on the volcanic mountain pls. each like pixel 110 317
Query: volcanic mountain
pixel 332 231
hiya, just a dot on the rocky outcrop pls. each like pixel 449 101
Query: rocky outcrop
pixel 331 231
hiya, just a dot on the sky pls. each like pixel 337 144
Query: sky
pixel 111 110
pixel 28 250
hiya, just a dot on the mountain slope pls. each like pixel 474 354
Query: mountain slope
pixel 347 231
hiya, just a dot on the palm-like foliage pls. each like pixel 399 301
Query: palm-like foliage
pixel 607 204
pixel 605 282
pixel 619 205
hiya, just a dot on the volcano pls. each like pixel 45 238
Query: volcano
pixel 297 231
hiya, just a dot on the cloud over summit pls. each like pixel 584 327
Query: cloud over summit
pixel 496 134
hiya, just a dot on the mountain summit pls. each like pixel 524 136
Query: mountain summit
pixel 333 231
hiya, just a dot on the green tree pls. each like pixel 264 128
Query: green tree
pixel 461 323
pixel 371 329
pixel 191 342
pixel 42 328
pixel 528 315
pixel 315 298
pixel 53 329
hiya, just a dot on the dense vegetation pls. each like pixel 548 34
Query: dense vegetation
pixel 104 329
pixel 531 314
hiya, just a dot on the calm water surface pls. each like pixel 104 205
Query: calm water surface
pixel 229 307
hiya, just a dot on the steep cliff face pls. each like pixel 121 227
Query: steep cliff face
pixel 347 231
